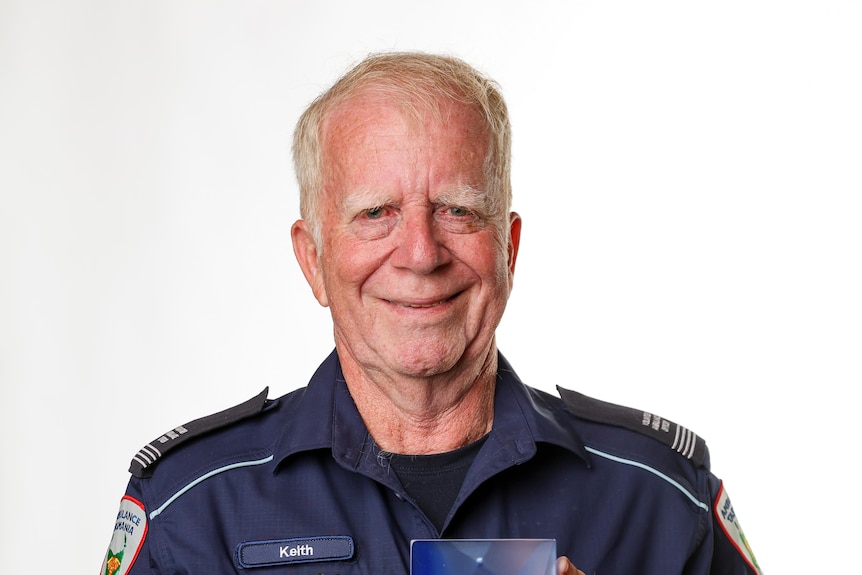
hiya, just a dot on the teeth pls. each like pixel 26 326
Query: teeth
pixel 416 305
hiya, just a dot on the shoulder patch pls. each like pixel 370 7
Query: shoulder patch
pixel 726 518
pixel 145 460
pixel 130 531
pixel 677 437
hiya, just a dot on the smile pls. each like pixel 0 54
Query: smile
pixel 421 305
pixel 417 305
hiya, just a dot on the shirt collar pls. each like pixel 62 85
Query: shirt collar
pixel 325 417
pixel 524 417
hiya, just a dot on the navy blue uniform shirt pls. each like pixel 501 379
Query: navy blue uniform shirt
pixel 296 486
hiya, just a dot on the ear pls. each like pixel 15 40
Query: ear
pixel 306 254
pixel 514 242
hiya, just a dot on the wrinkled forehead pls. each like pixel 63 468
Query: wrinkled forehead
pixel 416 110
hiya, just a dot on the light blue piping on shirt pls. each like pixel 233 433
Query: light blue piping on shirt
pixel 656 472
pixel 204 478
pixel 685 491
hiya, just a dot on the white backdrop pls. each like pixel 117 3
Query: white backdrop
pixel 688 175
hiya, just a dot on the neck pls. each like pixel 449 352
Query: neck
pixel 425 415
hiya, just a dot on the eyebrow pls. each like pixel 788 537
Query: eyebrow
pixel 466 196
pixel 364 199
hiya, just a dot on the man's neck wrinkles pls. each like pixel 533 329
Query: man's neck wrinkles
pixel 426 416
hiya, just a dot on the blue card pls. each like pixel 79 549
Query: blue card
pixel 483 557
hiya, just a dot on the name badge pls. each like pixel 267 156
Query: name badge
pixel 299 550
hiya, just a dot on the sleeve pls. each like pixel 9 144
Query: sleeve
pixel 724 550
pixel 129 551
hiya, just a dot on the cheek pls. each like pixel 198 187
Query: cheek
pixel 353 264
pixel 490 260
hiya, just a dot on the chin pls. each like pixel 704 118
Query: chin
pixel 421 369
pixel 426 363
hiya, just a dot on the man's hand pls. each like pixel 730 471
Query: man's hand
pixel 565 567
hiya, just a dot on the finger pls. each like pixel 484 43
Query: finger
pixel 565 567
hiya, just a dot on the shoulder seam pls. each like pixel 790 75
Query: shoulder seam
pixel 204 477
pixel 652 470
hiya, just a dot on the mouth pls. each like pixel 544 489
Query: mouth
pixel 422 305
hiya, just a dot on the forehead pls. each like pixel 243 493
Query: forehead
pixel 376 147
pixel 374 113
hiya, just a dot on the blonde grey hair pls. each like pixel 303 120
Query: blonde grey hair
pixel 414 80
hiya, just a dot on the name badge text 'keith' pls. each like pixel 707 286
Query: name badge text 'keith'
pixel 299 550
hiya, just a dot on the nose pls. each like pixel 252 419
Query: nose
pixel 419 247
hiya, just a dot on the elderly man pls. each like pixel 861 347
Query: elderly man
pixel 416 427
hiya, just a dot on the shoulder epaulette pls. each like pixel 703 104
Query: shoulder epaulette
pixel 144 462
pixel 675 436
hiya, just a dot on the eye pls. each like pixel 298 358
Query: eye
pixel 459 219
pixel 459 212
pixel 374 223
pixel 375 213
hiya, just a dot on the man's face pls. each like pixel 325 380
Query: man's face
pixel 415 264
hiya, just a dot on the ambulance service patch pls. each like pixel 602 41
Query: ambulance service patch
pixel 130 530
pixel 730 525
